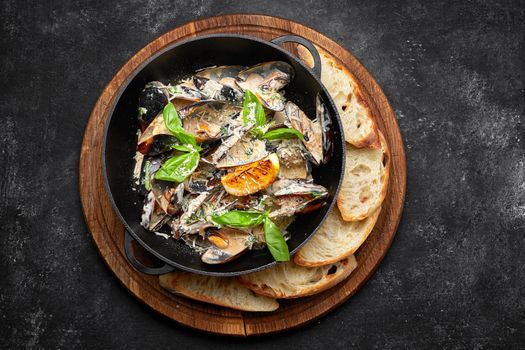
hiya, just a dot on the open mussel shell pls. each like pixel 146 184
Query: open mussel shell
pixel 284 187
pixel 265 80
pixel 205 178
pixel 168 198
pixel 296 197
pixel 156 138
pixel 227 244
pixel 221 74
pixel 248 149
pixel 151 102
pixel 213 90
pixel 311 130
pixel 210 120
pixel 149 166
pixel 325 122
pixel 153 217
pixel 186 90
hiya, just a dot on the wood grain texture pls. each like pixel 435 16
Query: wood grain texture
pixel 108 232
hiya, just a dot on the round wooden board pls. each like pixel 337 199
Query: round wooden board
pixel 108 232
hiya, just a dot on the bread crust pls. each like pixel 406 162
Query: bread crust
pixel 344 269
pixel 176 282
pixel 370 140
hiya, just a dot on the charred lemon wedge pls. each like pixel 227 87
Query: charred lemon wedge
pixel 250 178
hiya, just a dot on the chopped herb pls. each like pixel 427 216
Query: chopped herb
pixel 249 151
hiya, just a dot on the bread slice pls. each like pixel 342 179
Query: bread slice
pixel 335 240
pixel 358 122
pixel 288 280
pixel 223 291
pixel 365 181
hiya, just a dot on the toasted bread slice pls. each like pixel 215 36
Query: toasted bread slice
pixel 358 122
pixel 335 240
pixel 288 280
pixel 365 181
pixel 223 291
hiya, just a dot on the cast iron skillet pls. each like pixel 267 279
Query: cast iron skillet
pixel 181 60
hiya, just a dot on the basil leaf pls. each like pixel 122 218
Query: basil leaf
pixel 275 241
pixel 146 175
pixel 182 148
pixel 283 133
pixel 252 110
pixel 239 219
pixel 187 139
pixel 178 168
pixel 171 118
pixel 173 124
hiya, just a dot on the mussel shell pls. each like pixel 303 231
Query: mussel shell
pixel 151 102
pixel 311 130
pixel 248 149
pixel 186 90
pixel 325 121
pixel 219 73
pixel 285 187
pixel 210 120
pixel 236 243
pixel 213 90
pixel 153 217
pixel 265 80
pixel 277 71
pixel 156 138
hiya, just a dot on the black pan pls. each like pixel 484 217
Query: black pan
pixel 180 60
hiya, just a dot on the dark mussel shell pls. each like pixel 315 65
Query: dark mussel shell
pixel 151 102
pixel 156 138
pixel 323 118
pixel 214 90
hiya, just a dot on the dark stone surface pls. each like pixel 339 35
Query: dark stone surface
pixel 454 74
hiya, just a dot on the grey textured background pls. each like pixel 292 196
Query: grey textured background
pixel 454 74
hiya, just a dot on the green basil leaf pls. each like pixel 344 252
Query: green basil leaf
pixel 178 168
pixel 275 241
pixel 252 110
pixel 173 124
pixel 146 175
pixel 171 118
pixel 183 148
pixel 283 133
pixel 239 218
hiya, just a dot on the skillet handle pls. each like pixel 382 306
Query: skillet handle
pixel 302 41
pixel 137 265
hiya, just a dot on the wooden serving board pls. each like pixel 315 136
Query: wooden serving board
pixel 108 232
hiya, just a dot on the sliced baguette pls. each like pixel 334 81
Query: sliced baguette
pixel 365 181
pixel 223 291
pixel 335 240
pixel 358 122
pixel 288 280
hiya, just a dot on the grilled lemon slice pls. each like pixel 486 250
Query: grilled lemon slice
pixel 253 177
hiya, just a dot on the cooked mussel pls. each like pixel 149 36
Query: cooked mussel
pixel 296 197
pixel 227 244
pixel 214 90
pixel 153 217
pixel 221 74
pixel 248 149
pixel 151 102
pixel 210 120
pixel 266 80
pixel 156 138
pixel 186 90
pixel 325 122
pixel 311 130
